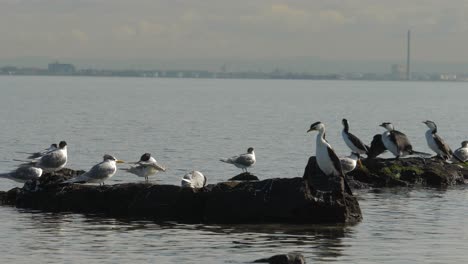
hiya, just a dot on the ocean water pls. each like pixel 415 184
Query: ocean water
pixel 189 124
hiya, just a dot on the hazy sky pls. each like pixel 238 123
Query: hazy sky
pixel 331 29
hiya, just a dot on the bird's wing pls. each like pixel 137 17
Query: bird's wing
pixel 245 160
pixel 357 142
pixel 101 170
pixel 335 160
pixel 401 140
pixel 337 164
pixel 442 145
pixel 52 159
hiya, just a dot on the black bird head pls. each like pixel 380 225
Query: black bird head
pixel 250 150
pixel 62 144
pixel 315 126
pixel 345 124
pixel 145 157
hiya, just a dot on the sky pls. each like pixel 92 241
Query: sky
pixel 244 29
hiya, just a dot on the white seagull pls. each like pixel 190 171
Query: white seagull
pixel 194 179
pixel 242 161
pixel 327 160
pixel 462 152
pixel 23 174
pixel 348 163
pixel 53 160
pixel 146 166
pixel 99 173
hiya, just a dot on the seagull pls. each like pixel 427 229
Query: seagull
pixel 396 142
pixel 348 163
pixel 353 142
pixel 147 166
pixel 327 160
pixel 436 143
pixel 23 174
pixel 99 172
pixel 194 179
pixel 242 161
pixel 35 155
pixel 53 160
pixel 462 152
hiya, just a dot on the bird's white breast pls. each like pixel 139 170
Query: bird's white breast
pixel 389 144
pixel 431 142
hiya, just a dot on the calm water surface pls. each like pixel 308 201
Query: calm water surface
pixel 189 124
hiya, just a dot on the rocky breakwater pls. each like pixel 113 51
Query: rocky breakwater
pixel 278 200
pixel 413 171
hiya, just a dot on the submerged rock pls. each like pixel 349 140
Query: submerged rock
pixel 272 200
pixel 397 172
pixel 290 258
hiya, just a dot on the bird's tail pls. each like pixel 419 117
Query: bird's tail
pixel 225 160
pixel 346 185
pixel 424 154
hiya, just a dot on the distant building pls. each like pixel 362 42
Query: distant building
pixel 398 72
pixel 61 68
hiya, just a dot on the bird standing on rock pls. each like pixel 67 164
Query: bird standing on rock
pixel 146 166
pixel 353 142
pixel 349 163
pixel 327 160
pixel 99 172
pixel 436 143
pixel 53 160
pixel 242 161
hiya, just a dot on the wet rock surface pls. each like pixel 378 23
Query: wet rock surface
pixel 290 200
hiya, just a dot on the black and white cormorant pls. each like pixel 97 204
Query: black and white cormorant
pixel 242 161
pixel 436 143
pixel 462 152
pixel 353 142
pixel 327 160
pixel 396 142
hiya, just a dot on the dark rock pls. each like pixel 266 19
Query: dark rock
pixel 290 258
pixel 271 200
pixel 245 176
pixel 409 172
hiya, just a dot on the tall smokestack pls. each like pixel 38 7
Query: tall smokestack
pixel 408 72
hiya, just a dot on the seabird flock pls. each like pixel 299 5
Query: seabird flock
pixel 55 157
pixel 392 140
